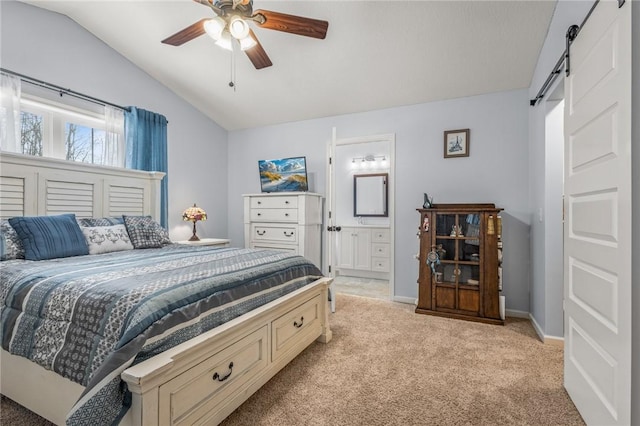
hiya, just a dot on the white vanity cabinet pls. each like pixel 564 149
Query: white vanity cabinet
pixel 355 248
pixel 363 249
pixel 289 221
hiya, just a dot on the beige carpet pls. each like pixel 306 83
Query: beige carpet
pixel 389 366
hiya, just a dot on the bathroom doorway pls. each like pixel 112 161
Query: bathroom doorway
pixel 361 206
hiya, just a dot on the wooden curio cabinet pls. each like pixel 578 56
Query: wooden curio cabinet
pixel 459 262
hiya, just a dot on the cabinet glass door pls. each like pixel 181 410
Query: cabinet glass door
pixel 470 249
pixel 457 278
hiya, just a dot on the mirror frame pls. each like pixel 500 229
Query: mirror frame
pixel 386 195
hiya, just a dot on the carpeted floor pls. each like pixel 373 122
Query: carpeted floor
pixel 387 365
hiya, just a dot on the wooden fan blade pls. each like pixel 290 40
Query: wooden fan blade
pixel 188 34
pixel 291 24
pixel 257 55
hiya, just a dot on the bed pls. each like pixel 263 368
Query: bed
pixel 188 353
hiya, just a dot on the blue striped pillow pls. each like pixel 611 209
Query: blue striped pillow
pixel 50 237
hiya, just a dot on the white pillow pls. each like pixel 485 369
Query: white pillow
pixel 106 239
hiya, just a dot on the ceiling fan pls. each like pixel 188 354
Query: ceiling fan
pixel 232 22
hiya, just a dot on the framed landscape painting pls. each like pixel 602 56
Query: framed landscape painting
pixel 283 174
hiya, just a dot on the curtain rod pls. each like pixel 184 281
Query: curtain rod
pixel 61 90
pixel 572 33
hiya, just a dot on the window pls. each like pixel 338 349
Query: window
pixel 54 130
pixel 31 133
pixel 84 143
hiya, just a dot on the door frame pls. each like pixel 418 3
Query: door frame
pixel 330 237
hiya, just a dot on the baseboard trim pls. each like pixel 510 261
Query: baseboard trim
pixel 516 314
pixel 537 328
pixel 547 340
pixel 554 341
pixel 403 299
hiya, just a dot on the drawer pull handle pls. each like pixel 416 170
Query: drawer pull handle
pixel 217 377
pixel 286 202
pixel 298 325
pixel 261 232
pixel 259 202
pixel 290 234
pixel 286 214
pixel 259 214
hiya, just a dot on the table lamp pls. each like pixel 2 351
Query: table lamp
pixel 194 214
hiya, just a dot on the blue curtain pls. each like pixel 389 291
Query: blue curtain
pixel 146 148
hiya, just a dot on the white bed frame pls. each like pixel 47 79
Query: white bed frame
pixel 193 383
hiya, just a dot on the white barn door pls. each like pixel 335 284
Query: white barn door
pixel 597 254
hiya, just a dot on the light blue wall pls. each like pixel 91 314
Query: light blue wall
pixel 545 182
pixel 53 48
pixel 496 171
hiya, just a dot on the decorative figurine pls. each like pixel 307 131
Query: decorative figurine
pixel 456 231
pixel 432 259
pixel 428 202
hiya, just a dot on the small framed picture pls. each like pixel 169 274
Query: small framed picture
pixel 456 143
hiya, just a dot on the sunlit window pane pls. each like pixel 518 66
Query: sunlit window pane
pixel 31 133
pixel 84 143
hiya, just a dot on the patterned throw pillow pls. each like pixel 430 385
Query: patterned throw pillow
pixel 102 221
pixel 50 237
pixel 106 239
pixel 145 232
pixel 10 245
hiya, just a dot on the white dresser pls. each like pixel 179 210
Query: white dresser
pixel 285 221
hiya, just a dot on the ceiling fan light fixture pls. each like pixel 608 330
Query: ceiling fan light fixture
pixel 247 43
pixel 214 27
pixel 225 41
pixel 238 27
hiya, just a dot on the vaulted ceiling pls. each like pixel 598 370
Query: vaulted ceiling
pixel 377 54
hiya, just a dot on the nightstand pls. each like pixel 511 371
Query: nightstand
pixel 221 242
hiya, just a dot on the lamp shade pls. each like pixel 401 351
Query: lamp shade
pixel 194 214
pixel 214 27
pixel 225 41
pixel 238 27
pixel 247 43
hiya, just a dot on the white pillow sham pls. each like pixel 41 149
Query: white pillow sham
pixel 107 239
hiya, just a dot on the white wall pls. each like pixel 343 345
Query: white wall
pixel 496 171
pixel 544 175
pixel 51 47
pixel 344 180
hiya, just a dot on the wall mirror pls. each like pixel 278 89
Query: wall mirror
pixel 370 195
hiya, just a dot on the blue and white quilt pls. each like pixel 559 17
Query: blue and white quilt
pixel 88 318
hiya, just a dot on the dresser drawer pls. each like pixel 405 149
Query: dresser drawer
pixel 199 390
pixel 380 235
pixel 274 215
pixel 380 250
pixel 303 319
pixel 292 249
pixel 380 264
pixel 285 234
pixel 284 202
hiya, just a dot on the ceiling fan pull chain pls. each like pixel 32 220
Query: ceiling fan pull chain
pixel 232 82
